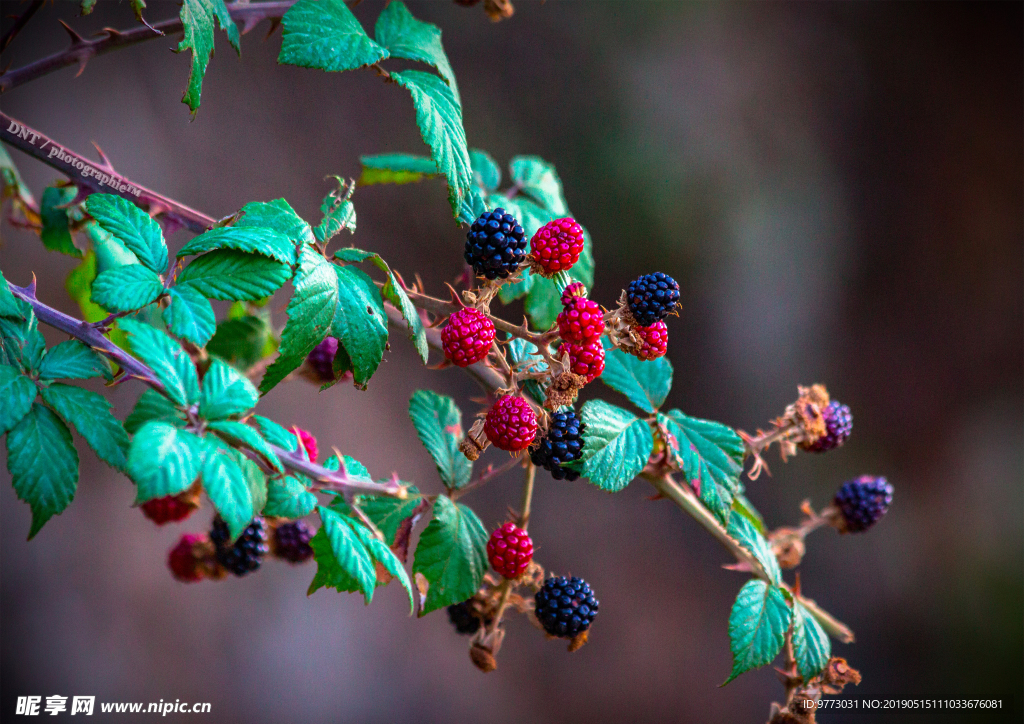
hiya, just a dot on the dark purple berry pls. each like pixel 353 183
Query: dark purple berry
pixel 838 425
pixel 495 245
pixel 652 297
pixel 291 541
pixel 462 618
pixel 565 607
pixel 244 555
pixel 863 501
pixel 321 359
pixel 563 444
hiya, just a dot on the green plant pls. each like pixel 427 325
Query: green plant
pixel 147 315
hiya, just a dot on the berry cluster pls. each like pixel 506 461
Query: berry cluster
pixel 581 320
pixel 557 246
pixel 511 424
pixel 563 444
pixel 838 426
pixel 652 297
pixel 565 607
pixel 169 509
pixel 467 337
pixel 863 501
pixel 246 554
pixel 495 245
pixel 291 541
pixel 510 550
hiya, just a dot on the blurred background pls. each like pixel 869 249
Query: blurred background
pixel 838 189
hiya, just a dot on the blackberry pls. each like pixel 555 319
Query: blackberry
pixel 462 618
pixel 495 244
pixel 863 501
pixel 652 297
pixel 246 554
pixel 838 426
pixel 563 444
pixel 565 607
pixel 321 359
pixel 291 542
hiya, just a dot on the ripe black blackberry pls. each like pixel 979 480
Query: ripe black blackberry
pixel 838 426
pixel 652 297
pixel 461 616
pixel 563 444
pixel 495 244
pixel 291 541
pixel 246 554
pixel 565 607
pixel 863 501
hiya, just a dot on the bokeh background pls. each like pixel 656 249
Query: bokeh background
pixel 838 189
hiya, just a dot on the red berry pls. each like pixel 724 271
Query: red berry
pixel 183 560
pixel 308 442
pixel 510 550
pixel 655 341
pixel 167 509
pixel 586 360
pixel 581 320
pixel 557 245
pixel 511 424
pixel 467 337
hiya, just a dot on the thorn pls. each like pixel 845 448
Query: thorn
pixel 76 39
pixel 104 161
pixel 274 24
pixel 82 60
pixel 456 299
pixel 112 33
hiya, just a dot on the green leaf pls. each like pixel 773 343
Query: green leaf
pixel 388 514
pixel 169 362
pixel 190 316
pixel 110 252
pixel 486 172
pixel 88 6
pixel 811 647
pixel 248 437
pixel 744 507
pixel 288 498
pixel 439 116
pixel 53 213
pixel 616 447
pixel 79 287
pixel 750 538
pixel 89 413
pixel 242 342
pixel 250 239
pixel 131 226
pixel 539 180
pixel 256 481
pixel 21 339
pixel 438 422
pixel 163 460
pixel 198 17
pixel 279 216
pixel 360 323
pixel 386 557
pixel 339 213
pixel 227 485
pixel 153 406
pixel 451 555
pixel 17 393
pixel 646 384
pixel 406 37
pixel 758 623
pixel 310 314
pixel 349 552
pixel 230 275
pixel 325 34
pixel 522 352
pixel 225 392
pixel 396 168
pixel 8 304
pixel 352 466
pixel 73 360
pixel 710 453
pixel 43 464
pixel 126 288
pixel 275 434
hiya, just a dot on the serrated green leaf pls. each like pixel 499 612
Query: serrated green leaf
pixel 616 447
pixel 110 252
pixel 197 17
pixel 349 463
pixel 396 168
pixel 360 323
pixel 451 555
pixel 55 233
pixel 43 464
pixel 132 227
pixel 472 206
pixel 744 532
pixel 275 434
pixel 279 216
pixel 79 287
pixel 386 557
pixel 230 275
pixel 190 316
pixel 243 238
pixel 710 453
pixel 811 647
pixel 311 311
pixel 758 623
pixel 349 552
pixel 163 460
pixel 247 436
pixel 406 37
pixel 17 393
pixel 338 213
pixel 225 392
pixel 329 573
pixel 439 117
pixel 242 342
pixel 288 498
pixel 646 384
pixel 485 170
pixel 539 180
pixel 152 406
pixel 73 360
pixel 325 34
pixel 744 507
pixel 256 479
pixel 89 413
pixel 438 423
pixel 21 339
pixel 169 362
pixel 394 293
pixel 8 304
pixel 126 288
pixel 388 514
pixel 227 485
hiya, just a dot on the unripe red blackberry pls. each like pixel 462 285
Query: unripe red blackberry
pixel 244 555
pixel 563 444
pixel 652 297
pixel 308 442
pixel 291 541
pixel 586 360
pixel 467 337
pixel 654 341
pixel 557 245
pixel 511 424
pixel 510 550
pixel 167 509
pixel 581 320
pixel 565 607
pixel 838 426
pixel 321 359
pixel 863 501
pixel 462 618
pixel 183 560
pixel 495 245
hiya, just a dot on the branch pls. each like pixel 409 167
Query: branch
pixel 81 50
pixel 19 24
pixel 485 477
pixel 133 367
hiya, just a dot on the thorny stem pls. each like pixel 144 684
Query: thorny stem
pixel 485 477
pixel 20 23
pixel 524 515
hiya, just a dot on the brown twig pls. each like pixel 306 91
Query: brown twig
pixel 485 477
